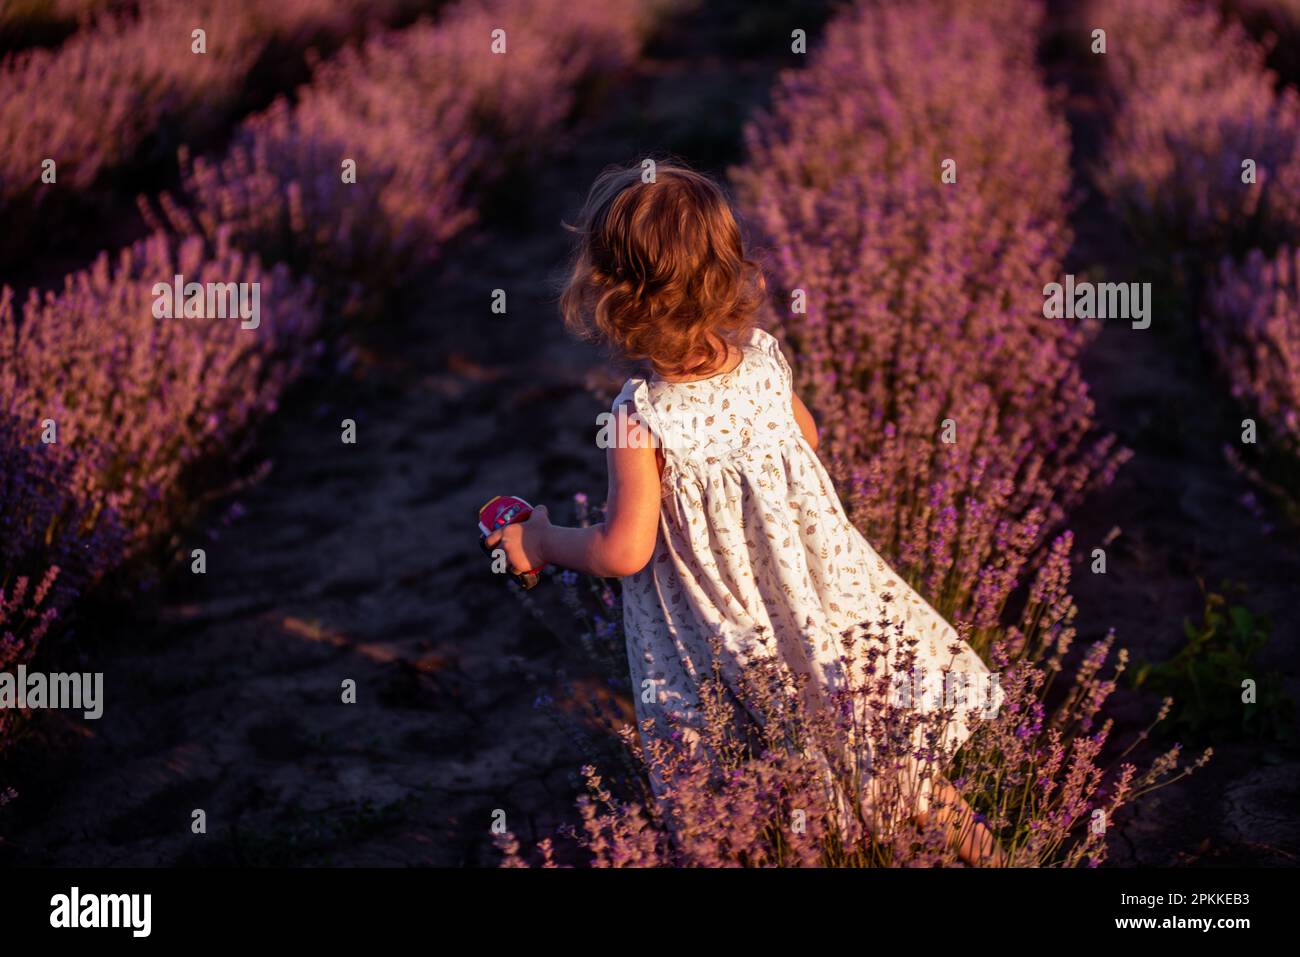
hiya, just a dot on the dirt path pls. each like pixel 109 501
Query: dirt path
pixel 360 562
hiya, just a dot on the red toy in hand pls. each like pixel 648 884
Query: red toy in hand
pixel 499 512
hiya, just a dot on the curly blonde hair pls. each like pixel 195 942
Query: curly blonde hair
pixel 660 274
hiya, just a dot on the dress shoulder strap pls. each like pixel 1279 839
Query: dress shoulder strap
pixel 767 344
pixel 637 392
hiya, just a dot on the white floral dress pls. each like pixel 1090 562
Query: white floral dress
pixel 753 541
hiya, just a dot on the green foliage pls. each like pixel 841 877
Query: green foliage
pixel 1205 678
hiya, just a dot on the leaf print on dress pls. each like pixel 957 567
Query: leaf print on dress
pixel 737 560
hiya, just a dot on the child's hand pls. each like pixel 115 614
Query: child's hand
pixel 524 541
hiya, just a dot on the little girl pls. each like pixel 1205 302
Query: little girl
pixel 721 520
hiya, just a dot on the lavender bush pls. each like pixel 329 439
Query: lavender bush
pixel 47 519
pixel 91 104
pixel 784 786
pixel 140 401
pixel 1275 23
pixel 108 412
pixel 1252 325
pixel 130 81
pixel 25 617
pixel 924 299
pixel 423 113
pixel 1193 100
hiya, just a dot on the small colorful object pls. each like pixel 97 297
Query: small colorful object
pixel 499 512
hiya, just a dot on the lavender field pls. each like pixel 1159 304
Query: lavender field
pixel 1036 266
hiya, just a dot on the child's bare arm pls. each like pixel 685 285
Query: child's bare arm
pixel 806 424
pixel 622 544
